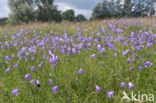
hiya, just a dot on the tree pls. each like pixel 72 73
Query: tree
pixel 102 10
pixel 47 11
pixel 118 9
pixel 25 11
pixel 3 21
pixel 80 18
pixel 21 11
pixel 129 8
pixel 97 12
pixel 143 8
pixel 68 15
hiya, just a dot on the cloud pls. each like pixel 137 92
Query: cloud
pixel 80 6
pixel 63 7
pixel 83 4
pixel 4 10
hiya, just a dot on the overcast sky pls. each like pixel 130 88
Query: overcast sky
pixel 80 6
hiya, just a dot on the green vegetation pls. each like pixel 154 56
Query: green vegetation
pixel 100 52
pixel 27 11
pixel 123 8
pixel 68 15
pixel 3 21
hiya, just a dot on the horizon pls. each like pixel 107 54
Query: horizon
pixel 79 6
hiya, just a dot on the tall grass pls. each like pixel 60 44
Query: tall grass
pixel 106 70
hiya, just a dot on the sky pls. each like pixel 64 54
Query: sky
pixel 84 7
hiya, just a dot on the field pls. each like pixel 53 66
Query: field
pixel 92 62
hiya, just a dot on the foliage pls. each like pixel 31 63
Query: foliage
pixel 25 11
pixel 47 11
pixel 21 11
pixel 80 18
pixel 3 21
pixel 128 8
pixel 68 15
pixel 78 63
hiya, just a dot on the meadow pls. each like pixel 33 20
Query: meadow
pixel 91 62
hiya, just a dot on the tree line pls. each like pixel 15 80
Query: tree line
pixel 25 11
pixel 123 8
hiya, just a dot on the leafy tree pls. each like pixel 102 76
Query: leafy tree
pixel 68 15
pixel 129 8
pixel 106 9
pixel 143 8
pixel 3 21
pixel 118 9
pixel 80 18
pixel 25 11
pixel 97 12
pixel 149 8
pixel 47 11
pixel 21 11
pixel 103 10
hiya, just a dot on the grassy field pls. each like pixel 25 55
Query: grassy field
pixel 92 62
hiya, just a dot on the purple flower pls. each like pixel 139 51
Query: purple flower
pixel 98 88
pixel 33 68
pixel 69 49
pixel 111 26
pixel 102 50
pixel 16 66
pixel 79 47
pixel 40 65
pixel 109 45
pixel 123 84
pixel 128 60
pixel 55 89
pixel 131 85
pixel 99 46
pixel 62 50
pixel 24 49
pixel 33 81
pixel 73 50
pixel 141 68
pixel 69 54
pixel 79 52
pixel 41 89
pixel 93 56
pixel 28 76
pixel 132 34
pixel 125 43
pixel 79 28
pixel 44 57
pixel 38 83
pixel 15 92
pixel 50 74
pixel 115 54
pixel 7 58
pixel 98 34
pixel 147 64
pixel 80 71
pixel 53 60
pixel 110 94
pixel 131 69
pixel 126 52
pixel 51 81
pixel 7 70
pixel 149 45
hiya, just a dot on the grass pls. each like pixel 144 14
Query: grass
pixel 105 70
